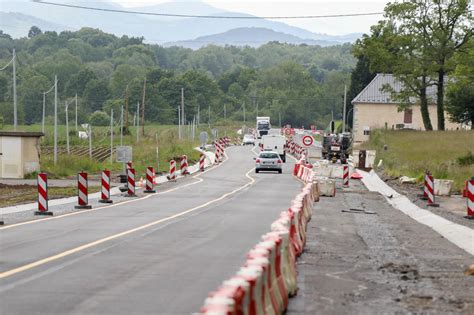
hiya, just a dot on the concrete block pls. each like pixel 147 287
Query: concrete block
pixel 442 187
pixel 327 187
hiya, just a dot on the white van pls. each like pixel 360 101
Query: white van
pixel 275 143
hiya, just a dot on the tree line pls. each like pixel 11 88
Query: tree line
pixel 302 84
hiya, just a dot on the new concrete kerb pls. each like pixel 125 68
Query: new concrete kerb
pixel 113 192
pixel 460 235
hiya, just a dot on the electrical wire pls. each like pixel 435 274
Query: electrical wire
pixel 7 64
pixel 206 16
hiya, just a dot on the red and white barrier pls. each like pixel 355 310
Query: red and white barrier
pixel 129 164
pixel 82 193
pixel 150 180
pixel 131 182
pixel 268 278
pixel 184 165
pixel 105 187
pixel 345 176
pixel 201 162
pixel 43 195
pixel 470 198
pixel 429 186
pixel 172 175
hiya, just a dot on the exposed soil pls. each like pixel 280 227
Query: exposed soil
pixel 383 263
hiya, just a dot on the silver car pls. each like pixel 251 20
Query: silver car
pixel 248 139
pixel 268 161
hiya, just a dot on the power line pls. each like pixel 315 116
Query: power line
pixel 207 16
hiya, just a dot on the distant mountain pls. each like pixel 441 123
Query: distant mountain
pixel 18 24
pixel 155 29
pixel 247 36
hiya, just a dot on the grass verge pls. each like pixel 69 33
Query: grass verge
pixel 12 195
pixel 446 154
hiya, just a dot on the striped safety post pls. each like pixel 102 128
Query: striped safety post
pixel 172 175
pixel 43 195
pixel 430 191
pixel 105 187
pixel 201 162
pixel 82 193
pixel 424 195
pixel 345 176
pixel 131 182
pixel 184 165
pixel 150 180
pixel 470 198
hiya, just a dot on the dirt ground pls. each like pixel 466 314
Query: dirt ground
pixel 382 263
pixel 11 195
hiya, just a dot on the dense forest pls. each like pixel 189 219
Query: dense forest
pixel 304 84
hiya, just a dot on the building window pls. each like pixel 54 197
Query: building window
pixel 408 116
pixel 366 131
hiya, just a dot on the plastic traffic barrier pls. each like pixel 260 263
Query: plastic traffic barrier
pixel 131 182
pixel 470 198
pixel 105 187
pixel 184 165
pixel 43 195
pixel 172 176
pixel 150 180
pixel 82 192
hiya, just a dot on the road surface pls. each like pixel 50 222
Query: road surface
pixel 160 255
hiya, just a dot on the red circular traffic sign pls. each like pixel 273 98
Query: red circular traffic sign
pixel 288 131
pixel 307 141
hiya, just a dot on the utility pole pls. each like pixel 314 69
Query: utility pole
pixel 138 121
pixel 90 141
pixel 279 118
pixel 15 116
pixel 244 112
pixel 76 112
pixel 199 115
pixel 179 123
pixel 209 119
pixel 67 126
pixel 182 106
pixel 257 109
pixel 55 119
pixel 121 125
pixel 143 108
pixel 344 110
pixel 44 110
pixel 126 108
pixel 111 135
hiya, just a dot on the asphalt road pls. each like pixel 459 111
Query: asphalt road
pixel 160 255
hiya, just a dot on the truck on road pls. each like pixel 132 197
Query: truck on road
pixel 263 126
pixel 275 143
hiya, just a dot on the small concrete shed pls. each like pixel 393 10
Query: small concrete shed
pixel 19 153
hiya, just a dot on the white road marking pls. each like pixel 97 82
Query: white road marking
pixel 66 253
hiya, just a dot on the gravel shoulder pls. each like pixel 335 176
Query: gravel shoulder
pixel 356 263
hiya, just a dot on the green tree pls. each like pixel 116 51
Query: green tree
pixel 96 93
pixel 99 118
pixel 441 28
pixel 34 31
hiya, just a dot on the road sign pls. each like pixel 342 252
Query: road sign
pixel 203 137
pixel 307 141
pixel 287 131
pixel 124 154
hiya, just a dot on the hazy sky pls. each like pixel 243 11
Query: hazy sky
pixel 299 7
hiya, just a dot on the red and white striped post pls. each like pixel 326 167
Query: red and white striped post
pixel 345 176
pixel 470 198
pixel 424 195
pixel 82 193
pixel 150 180
pixel 105 187
pixel 131 182
pixel 430 191
pixel 43 195
pixel 184 165
pixel 172 175
pixel 201 162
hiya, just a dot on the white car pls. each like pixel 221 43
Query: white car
pixel 268 161
pixel 248 139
